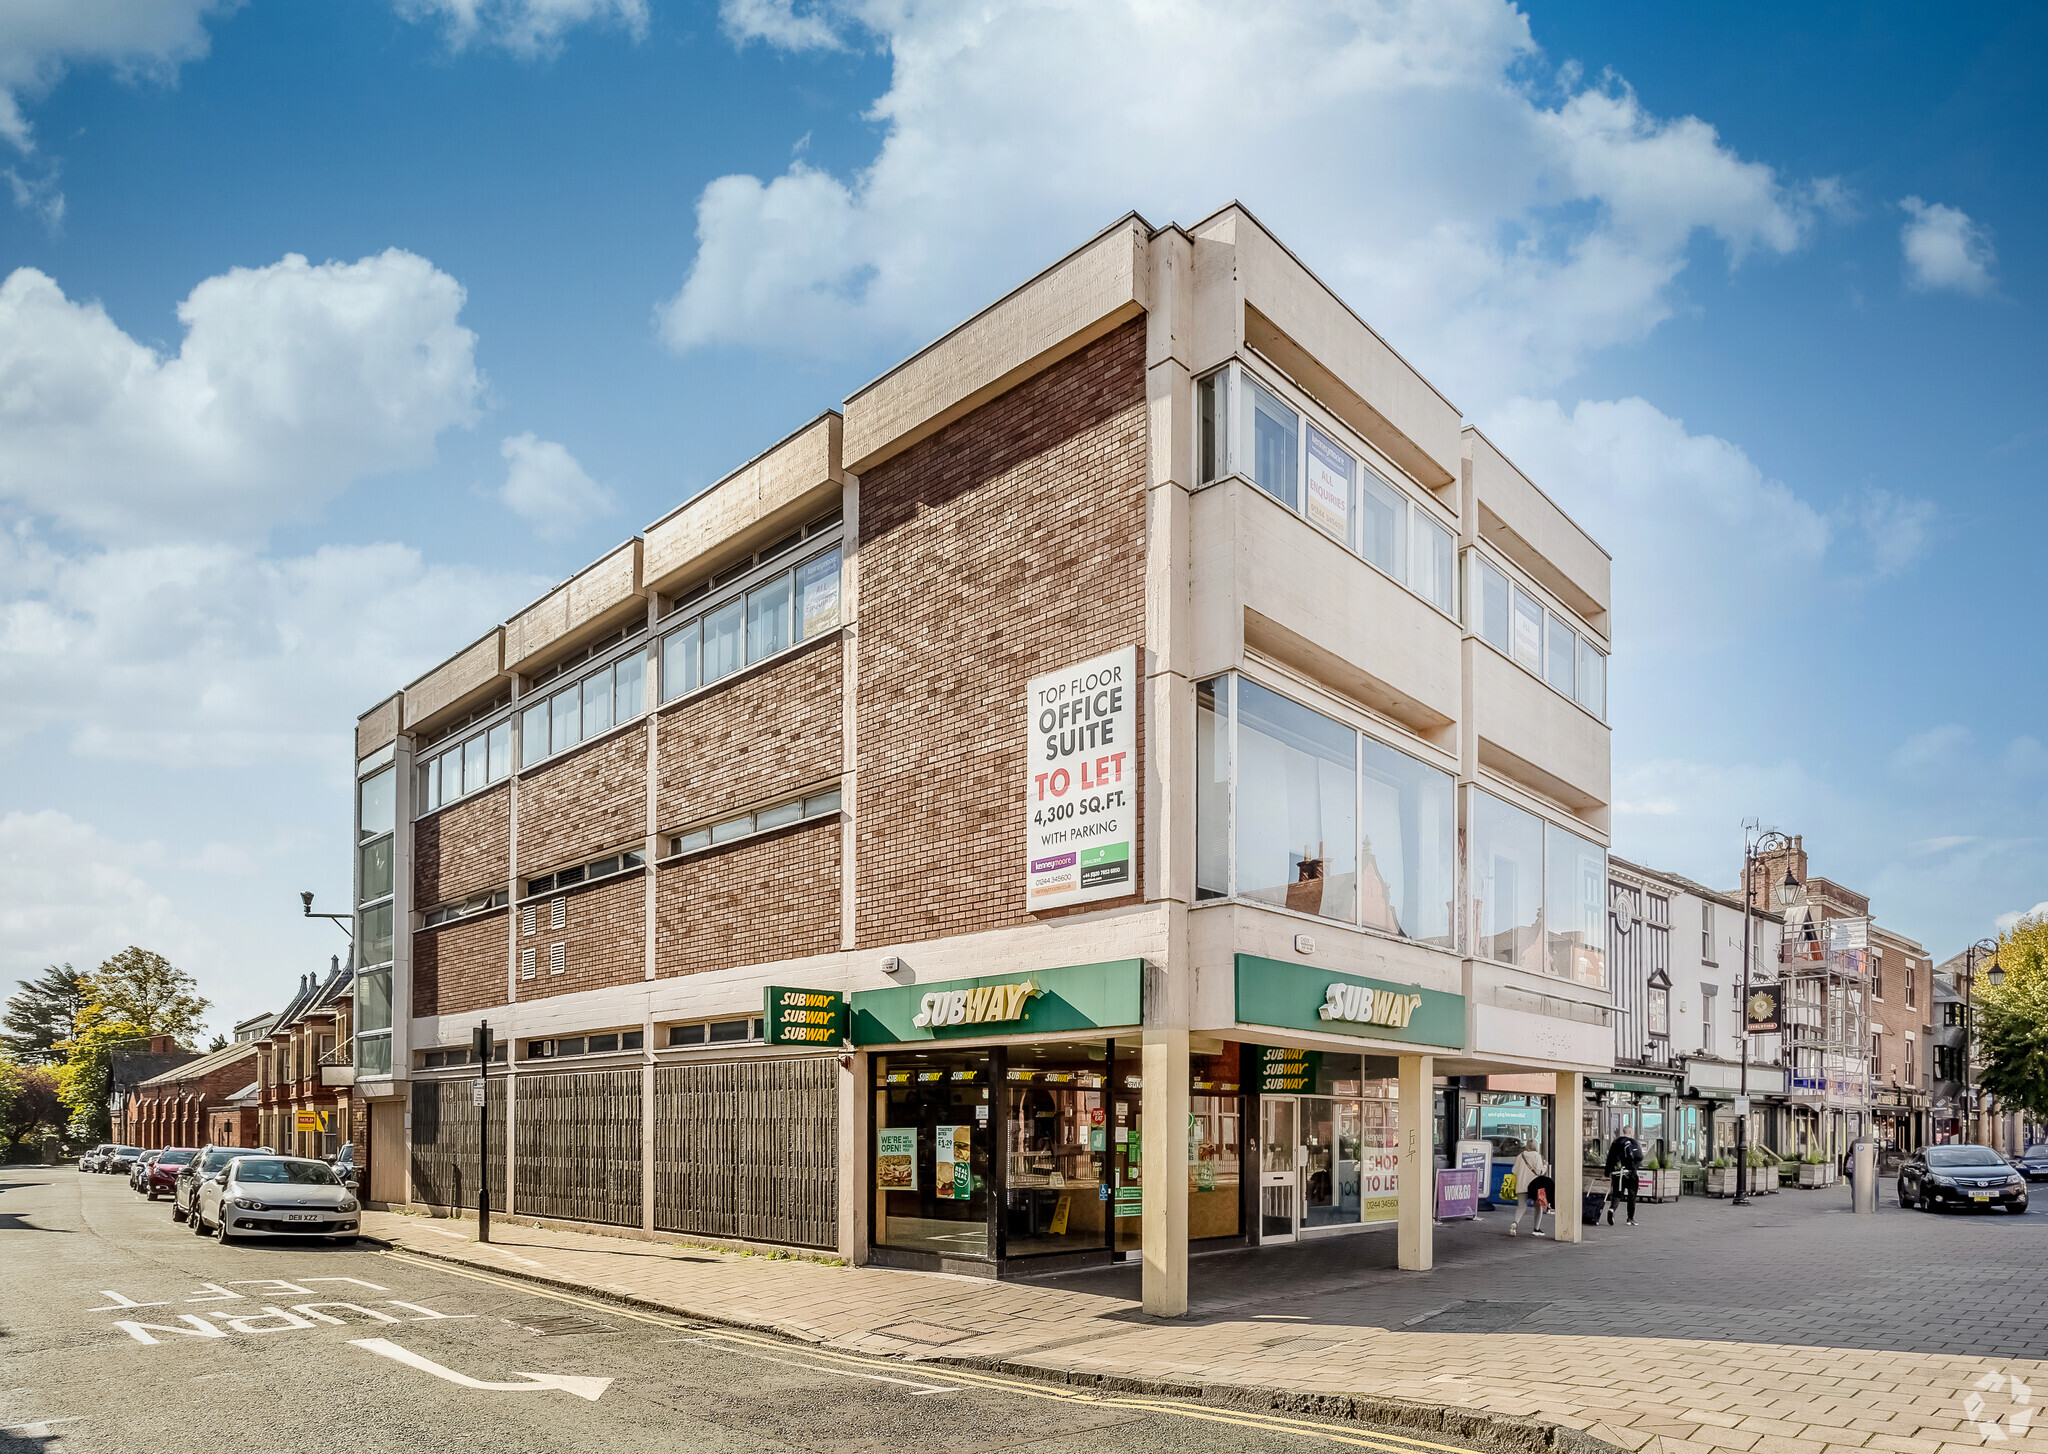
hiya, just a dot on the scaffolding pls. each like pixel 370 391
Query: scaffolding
pixel 1824 965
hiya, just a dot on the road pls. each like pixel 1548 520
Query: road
pixel 121 1331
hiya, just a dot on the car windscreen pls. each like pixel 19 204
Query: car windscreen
pixel 174 1158
pixel 1963 1156
pixel 294 1173
pixel 2037 1151
pixel 215 1159
pixel 129 1151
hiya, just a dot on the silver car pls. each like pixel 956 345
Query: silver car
pixel 276 1196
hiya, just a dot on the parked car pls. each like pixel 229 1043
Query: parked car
pixel 120 1159
pixel 276 1196
pixel 345 1169
pixel 162 1177
pixel 203 1170
pixel 91 1160
pixel 140 1169
pixel 1935 1177
pixel 2033 1163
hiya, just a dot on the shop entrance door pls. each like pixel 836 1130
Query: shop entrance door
pixel 1279 1170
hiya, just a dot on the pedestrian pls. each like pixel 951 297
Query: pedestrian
pixel 1624 1161
pixel 1529 1169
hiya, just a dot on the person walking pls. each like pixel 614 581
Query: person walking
pixel 1529 1168
pixel 1624 1162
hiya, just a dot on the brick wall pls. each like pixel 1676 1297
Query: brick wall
pixel 604 938
pixel 1010 544
pixel 592 799
pixel 459 967
pixel 775 731
pixel 772 897
pixel 462 850
pixel 164 1114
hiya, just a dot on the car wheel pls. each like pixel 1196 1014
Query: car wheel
pixel 220 1231
pixel 1905 1201
pixel 198 1220
pixel 2016 1211
pixel 177 1212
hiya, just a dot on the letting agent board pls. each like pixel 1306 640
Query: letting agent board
pixel 1081 792
pixel 804 1017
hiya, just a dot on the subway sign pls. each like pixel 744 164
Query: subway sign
pixel 990 1004
pixel 804 1017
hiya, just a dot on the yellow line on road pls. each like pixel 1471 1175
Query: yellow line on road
pixel 968 1378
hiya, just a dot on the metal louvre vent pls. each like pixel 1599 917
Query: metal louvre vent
pixel 526 962
pixel 558 914
pixel 558 958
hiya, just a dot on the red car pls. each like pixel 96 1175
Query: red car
pixel 163 1172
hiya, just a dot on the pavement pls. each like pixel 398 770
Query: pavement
pixel 1790 1326
pixel 121 1331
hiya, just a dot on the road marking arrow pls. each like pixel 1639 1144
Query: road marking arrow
pixel 584 1388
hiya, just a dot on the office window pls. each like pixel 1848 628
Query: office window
pixel 597 702
pixel 1592 688
pixel 533 734
pixel 377 805
pixel 373 870
pixel 1707 934
pixel 1433 579
pixel 1212 414
pixel 1383 525
pixel 373 936
pixel 761 820
pixel 679 662
pixel 1575 906
pixel 1506 846
pixel 723 629
pixel 565 720
pixel 767 619
pixel 1212 789
pixel 1528 631
pixel 817 596
pixel 1490 605
pixel 501 750
pixel 1297 793
pixel 1408 845
pixel 476 765
pixel 1276 445
pixel 629 687
pixel 1561 659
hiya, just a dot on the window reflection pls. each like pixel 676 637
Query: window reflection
pixel 1297 826
pixel 1410 837
pixel 1506 846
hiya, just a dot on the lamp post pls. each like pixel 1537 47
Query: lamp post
pixel 1988 948
pixel 306 901
pixel 1768 841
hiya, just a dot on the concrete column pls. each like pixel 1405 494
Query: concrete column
pixel 1415 1110
pixel 1567 1173
pixel 1163 1161
pixel 853 1182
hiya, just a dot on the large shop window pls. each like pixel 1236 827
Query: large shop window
pixel 1300 811
pixel 1057 1108
pixel 1538 893
pixel 933 1141
pixel 1297 825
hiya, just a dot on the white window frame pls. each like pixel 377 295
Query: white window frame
pixel 1548 613
pixel 737 592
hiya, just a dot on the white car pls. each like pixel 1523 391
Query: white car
pixel 276 1196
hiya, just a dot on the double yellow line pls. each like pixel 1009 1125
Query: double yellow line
pixel 961 1377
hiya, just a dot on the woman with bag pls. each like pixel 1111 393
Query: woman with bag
pixel 1529 1169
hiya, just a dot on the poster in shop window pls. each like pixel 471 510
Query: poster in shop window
pixel 896 1158
pixel 952 1169
pixel 1328 498
pixel 1080 790
pixel 1379 1182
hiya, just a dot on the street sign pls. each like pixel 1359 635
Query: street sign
pixel 1742 1105
pixel 476 1092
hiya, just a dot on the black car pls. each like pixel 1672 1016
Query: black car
pixel 2033 1163
pixel 345 1169
pixel 1935 1177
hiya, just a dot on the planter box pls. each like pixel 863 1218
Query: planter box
pixel 1812 1176
pixel 1721 1183
pixel 1662 1186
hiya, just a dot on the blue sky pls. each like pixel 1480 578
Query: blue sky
pixel 331 333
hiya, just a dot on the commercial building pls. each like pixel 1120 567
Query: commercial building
pixel 1136 778
pixel 1675 956
pixel 177 1107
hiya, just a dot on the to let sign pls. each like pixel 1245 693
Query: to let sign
pixel 1081 800
pixel 804 1017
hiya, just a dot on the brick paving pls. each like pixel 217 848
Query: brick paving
pixel 1789 1327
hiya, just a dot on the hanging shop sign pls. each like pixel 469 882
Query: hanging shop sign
pixel 1075 997
pixel 1302 997
pixel 804 1017
pixel 1081 796
pixel 1763 1009
pixel 1285 1072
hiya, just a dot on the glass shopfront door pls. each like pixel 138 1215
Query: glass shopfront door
pixel 1280 1154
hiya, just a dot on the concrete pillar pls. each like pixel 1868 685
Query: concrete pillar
pixel 1415 1112
pixel 1163 1121
pixel 1566 1172
pixel 853 1144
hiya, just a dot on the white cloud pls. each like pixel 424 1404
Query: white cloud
pixel 545 487
pixel 74 895
pixel 292 381
pixel 1497 228
pixel 1945 250
pixel 2006 921
pixel 210 653
pixel 40 39
pixel 779 23
pixel 529 29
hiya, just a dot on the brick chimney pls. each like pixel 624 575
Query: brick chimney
pixel 161 1045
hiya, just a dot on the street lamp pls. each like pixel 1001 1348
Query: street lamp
pixel 306 901
pixel 1768 841
pixel 1989 948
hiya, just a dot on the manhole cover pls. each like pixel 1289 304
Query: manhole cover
pixel 1476 1317
pixel 563 1326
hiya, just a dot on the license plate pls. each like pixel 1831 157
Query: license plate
pixel 1980 1196
pixel 302 1216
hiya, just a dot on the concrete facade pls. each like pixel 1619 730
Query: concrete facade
pixel 636 852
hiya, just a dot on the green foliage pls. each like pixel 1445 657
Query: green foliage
pixel 131 997
pixel 2012 1020
pixel 31 1110
pixel 40 1014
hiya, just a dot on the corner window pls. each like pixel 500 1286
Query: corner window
pixel 1592 686
pixel 373 941
pixel 1490 606
pixel 1575 906
pixel 1327 501
pixel 1433 577
pixel 373 870
pixel 1296 806
pixel 1212 789
pixel 377 805
pixel 1276 445
pixel 1561 655
pixel 1528 645
pixel 1212 414
pixel 1506 847
pixel 817 595
pixel 1383 525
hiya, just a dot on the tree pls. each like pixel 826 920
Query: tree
pixel 41 1013
pixel 131 997
pixel 219 1042
pixel 31 1107
pixel 2012 1020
